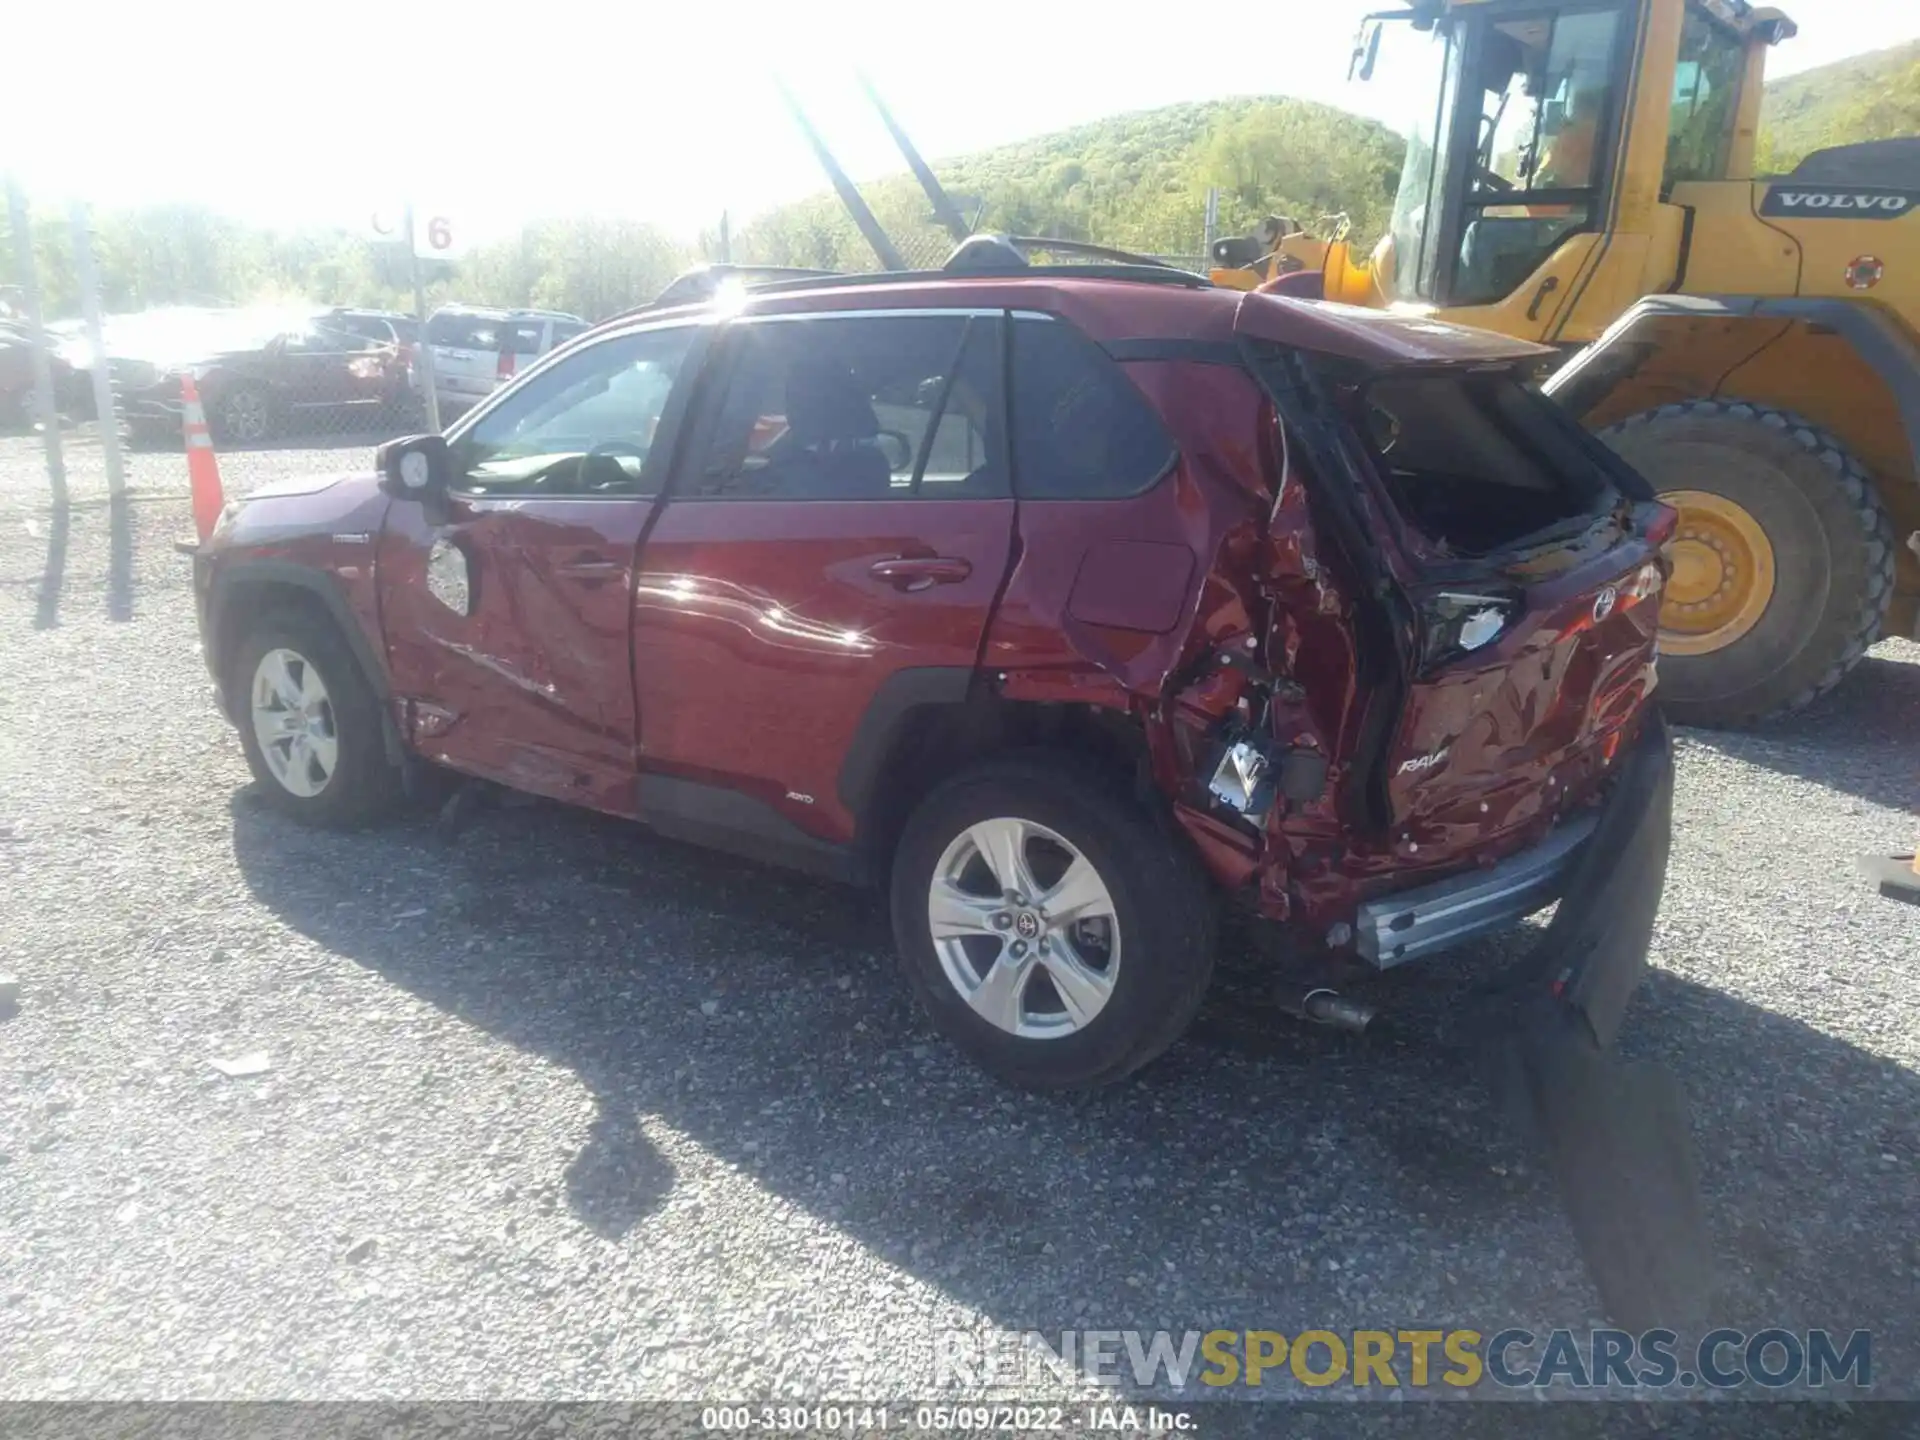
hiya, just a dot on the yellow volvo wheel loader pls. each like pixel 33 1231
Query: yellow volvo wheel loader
pixel 1581 173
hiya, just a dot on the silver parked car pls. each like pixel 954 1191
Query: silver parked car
pixel 476 350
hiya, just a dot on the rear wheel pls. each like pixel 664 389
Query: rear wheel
pixel 1051 928
pixel 1782 563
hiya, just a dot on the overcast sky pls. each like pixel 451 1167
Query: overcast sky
pixel 295 113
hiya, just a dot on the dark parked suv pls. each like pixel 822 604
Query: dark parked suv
pixel 1062 603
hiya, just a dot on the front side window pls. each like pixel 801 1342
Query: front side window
pixel 584 426
pixel 1706 84
pixel 857 408
pixel 324 340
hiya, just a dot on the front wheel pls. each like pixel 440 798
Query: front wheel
pixel 1051 929
pixel 1782 563
pixel 310 722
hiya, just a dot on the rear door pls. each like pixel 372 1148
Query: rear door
pixel 507 618
pixel 841 517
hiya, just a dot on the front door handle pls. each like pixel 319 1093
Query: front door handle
pixel 593 569
pixel 920 572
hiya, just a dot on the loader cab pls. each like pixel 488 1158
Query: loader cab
pixel 1529 126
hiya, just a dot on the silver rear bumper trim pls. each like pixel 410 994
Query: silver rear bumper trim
pixel 1415 923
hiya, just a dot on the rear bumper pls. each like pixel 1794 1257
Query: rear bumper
pixel 1412 924
pixel 1607 868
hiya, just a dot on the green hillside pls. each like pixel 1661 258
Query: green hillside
pixel 1868 97
pixel 1138 181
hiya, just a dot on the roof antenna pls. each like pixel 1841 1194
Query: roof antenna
pixel 843 187
pixel 944 210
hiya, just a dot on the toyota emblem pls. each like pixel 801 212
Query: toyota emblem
pixel 1603 603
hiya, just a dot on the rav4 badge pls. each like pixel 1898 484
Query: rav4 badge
pixel 1423 762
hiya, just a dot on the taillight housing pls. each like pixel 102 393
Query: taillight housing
pixel 1458 622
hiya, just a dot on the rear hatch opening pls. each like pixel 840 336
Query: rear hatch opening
pixel 1503 559
pixel 1471 463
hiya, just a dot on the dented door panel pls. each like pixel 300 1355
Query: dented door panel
pixel 531 685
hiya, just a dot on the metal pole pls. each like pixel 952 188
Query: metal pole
pixel 863 217
pixel 944 210
pixel 1212 231
pixel 46 410
pixel 424 350
pixel 97 341
pixel 726 241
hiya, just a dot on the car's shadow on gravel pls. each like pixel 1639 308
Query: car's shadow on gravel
pixel 1851 740
pixel 1261 1174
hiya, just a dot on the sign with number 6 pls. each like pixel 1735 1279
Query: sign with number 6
pixel 435 237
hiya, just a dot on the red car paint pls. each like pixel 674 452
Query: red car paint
pixel 740 645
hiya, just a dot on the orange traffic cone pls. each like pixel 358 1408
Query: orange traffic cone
pixel 203 471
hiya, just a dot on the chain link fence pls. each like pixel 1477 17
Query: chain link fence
pixel 329 339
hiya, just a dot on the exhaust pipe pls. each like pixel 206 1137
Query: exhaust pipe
pixel 1328 1007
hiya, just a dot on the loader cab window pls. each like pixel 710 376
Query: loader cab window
pixel 1706 91
pixel 1546 95
pixel 1511 152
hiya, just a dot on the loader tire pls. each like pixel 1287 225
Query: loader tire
pixel 1783 563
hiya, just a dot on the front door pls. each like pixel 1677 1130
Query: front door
pixel 508 617
pixel 843 516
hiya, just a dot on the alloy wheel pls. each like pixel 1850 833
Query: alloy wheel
pixel 1025 928
pixel 244 415
pixel 293 721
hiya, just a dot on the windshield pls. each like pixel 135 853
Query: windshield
pixel 1418 69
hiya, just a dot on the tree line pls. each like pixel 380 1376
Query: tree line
pixel 1137 181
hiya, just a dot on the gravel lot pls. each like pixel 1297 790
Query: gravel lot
pixel 561 1110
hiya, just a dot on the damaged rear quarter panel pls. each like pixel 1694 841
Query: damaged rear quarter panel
pixel 1122 603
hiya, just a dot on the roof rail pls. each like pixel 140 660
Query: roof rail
pixel 700 285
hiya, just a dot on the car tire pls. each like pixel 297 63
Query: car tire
pixel 333 770
pixel 244 416
pixel 1111 989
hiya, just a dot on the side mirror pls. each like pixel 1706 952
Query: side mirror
pixel 418 467
pixel 1366 51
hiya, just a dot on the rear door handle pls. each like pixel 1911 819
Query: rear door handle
pixel 920 572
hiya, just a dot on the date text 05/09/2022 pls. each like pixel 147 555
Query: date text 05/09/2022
pixel 944 1419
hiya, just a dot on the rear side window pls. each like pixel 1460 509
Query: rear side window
pixel 1081 431
pixel 464 332
pixel 857 408
pixel 523 337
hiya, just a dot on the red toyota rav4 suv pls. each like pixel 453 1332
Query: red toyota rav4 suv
pixel 1063 602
